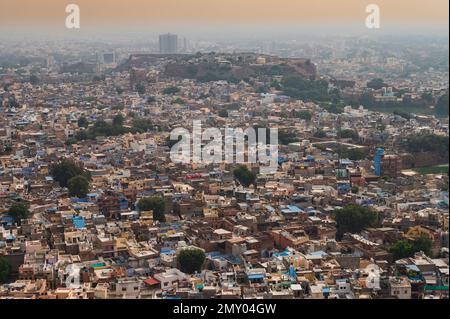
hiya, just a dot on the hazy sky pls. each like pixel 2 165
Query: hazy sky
pixel 15 14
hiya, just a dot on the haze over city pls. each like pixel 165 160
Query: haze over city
pixel 223 19
pixel 244 150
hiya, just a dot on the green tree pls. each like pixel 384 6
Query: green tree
pixel 320 134
pixel 355 189
pixel 245 176
pixel 119 90
pixel 401 249
pixel 223 113
pixel 140 88
pixel 171 90
pixel 155 204
pixel 354 154
pixel 442 106
pixel 18 212
pixel 5 270
pixel 353 219
pixel 191 260
pixel 118 120
pixel 65 170
pixel 427 143
pixel 83 122
pixel 348 134
pixel 376 84
pixel 423 244
pixel 307 90
pixel 142 125
pixel 286 137
pixel 304 115
pixel 179 101
pixel 78 186
pixel 34 79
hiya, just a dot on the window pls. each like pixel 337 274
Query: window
pixel 124 289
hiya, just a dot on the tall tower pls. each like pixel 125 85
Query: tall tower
pixel 377 161
pixel 168 43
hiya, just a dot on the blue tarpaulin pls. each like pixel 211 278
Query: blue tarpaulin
pixel 79 222
pixel 255 277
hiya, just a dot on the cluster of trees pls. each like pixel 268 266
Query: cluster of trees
pixel 5 149
pixel 320 134
pixel 286 137
pixel 140 88
pixel 334 107
pixel 308 90
pixel 155 204
pixel 34 79
pixel 171 90
pixel 5 270
pixel 179 101
pixel 19 211
pixel 404 248
pixel 223 113
pixel 405 115
pixel 141 125
pixel 245 176
pixel 354 154
pixel 102 128
pixel 119 90
pixel 442 106
pixel 427 143
pixel 376 84
pixel 303 114
pixel 191 260
pixel 367 99
pixel 116 128
pixel 353 219
pixel 348 134
pixel 68 174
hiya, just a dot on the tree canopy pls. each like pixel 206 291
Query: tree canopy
pixel 307 90
pixel 404 248
pixel 140 88
pixel 303 114
pixel 66 169
pixel 442 106
pixel 353 219
pixel 245 176
pixel 427 143
pixel 171 90
pixel 78 186
pixel 155 204
pixel 19 211
pixel 376 84
pixel 191 260
pixel 82 122
pixel 5 270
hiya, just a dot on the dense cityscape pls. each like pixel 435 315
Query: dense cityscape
pixel 92 205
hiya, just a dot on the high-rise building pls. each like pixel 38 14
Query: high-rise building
pixel 168 43
pixel 106 57
pixel 377 161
